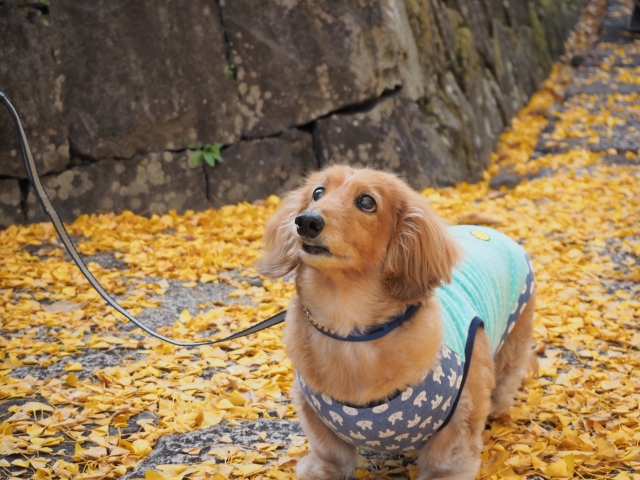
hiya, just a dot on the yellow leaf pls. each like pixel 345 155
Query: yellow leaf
pixel 509 474
pixel 622 476
pixel 185 316
pixel 21 463
pixel 563 468
pixel 273 200
pixel 73 367
pixel 72 380
pixel 192 451
pixel 151 475
pixel 237 399
pixel 31 407
pixel 141 447
pixel 126 444
pixel 5 429
pixel 39 462
pixel 535 397
pixel 206 278
pixel 78 449
pixel 249 469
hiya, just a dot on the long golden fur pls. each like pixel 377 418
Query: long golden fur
pixel 378 263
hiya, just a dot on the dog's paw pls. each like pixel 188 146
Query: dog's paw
pixel 313 467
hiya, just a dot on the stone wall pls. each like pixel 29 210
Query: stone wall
pixel 111 92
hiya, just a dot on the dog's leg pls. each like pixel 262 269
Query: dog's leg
pixel 331 458
pixel 454 452
pixel 513 361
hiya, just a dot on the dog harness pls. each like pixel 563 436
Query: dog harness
pixel 490 288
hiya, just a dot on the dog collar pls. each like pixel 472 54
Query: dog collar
pixel 371 333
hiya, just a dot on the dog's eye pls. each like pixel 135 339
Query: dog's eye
pixel 366 203
pixel 317 194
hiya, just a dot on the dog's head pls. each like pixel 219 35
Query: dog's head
pixel 361 221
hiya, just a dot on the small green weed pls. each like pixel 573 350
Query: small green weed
pixel 210 153
pixel 230 71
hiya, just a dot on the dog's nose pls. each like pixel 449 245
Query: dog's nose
pixel 309 224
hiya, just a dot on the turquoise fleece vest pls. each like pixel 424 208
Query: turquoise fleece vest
pixel 490 288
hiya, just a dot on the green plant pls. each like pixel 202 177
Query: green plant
pixel 230 71
pixel 210 153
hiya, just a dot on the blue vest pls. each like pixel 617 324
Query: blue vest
pixel 490 288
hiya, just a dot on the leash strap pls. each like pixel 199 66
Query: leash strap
pixel 52 213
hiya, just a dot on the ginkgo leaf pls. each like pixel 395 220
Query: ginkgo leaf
pixel 152 475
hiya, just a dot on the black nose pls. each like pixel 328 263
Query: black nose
pixel 309 224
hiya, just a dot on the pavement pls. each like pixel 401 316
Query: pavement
pixel 600 112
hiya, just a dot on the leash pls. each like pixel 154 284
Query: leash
pixel 52 213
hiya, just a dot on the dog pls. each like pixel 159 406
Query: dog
pixel 380 364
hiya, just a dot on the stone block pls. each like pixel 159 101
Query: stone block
pixel 144 75
pixel 255 169
pixel 406 49
pixel 432 50
pixel 147 184
pixel 30 78
pixel 10 209
pixel 394 136
pixel 476 19
pixel 507 69
pixel 301 59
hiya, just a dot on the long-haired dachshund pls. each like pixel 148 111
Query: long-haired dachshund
pixel 404 333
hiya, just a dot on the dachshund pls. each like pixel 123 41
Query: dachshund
pixel 405 333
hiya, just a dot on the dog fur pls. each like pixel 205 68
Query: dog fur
pixel 378 263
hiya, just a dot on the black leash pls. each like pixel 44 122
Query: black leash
pixel 52 213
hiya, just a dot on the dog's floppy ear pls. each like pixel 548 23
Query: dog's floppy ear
pixel 421 255
pixel 281 250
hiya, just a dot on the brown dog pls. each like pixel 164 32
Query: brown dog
pixel 364 246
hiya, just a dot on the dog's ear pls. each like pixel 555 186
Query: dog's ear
pixel 421 255
pixel 281 250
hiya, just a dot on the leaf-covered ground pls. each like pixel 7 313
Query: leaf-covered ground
pixel 84 395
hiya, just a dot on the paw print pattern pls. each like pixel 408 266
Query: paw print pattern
pixel 350 411
pixel 394 417
pixel 406 394
pixel 316 403
pixel 380 408
pixel 336 418
pixel 426 422
pixel 414 422
pixel 402 423
pixel 452 377
pixel 438 374
pixel 422 397
pixel 365 425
